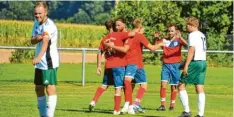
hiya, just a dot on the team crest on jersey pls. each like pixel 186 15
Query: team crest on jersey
pixel 176 43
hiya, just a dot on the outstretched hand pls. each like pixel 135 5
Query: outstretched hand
pixel 156 34
pixel 178 34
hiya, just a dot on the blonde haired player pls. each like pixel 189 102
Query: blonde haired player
pixel 195 67
pixel 46 60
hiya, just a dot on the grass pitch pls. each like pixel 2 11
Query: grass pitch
pixel 18 99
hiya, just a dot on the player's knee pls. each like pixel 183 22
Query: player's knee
pixel 144 86
pixel 163 84
pixel 201 90
pixel 181 87
pixel 51 90
pixel 104 87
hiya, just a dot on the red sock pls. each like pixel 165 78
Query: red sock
pixel 163 96
pixel 128 91
pixel 173 98
pixel 117 102
pixel 98 93
pixel 139 95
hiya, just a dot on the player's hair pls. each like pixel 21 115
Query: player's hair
pixel 121 19
pixel 42 4
pixel 137 23
pixel 172 25
pixel 193 21
pixel 109 24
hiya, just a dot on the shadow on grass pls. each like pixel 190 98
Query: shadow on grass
pixel 21 80
pixel 27 81
pixel 103 111
pixel 85 110
pixel 76 83
pixel 150 116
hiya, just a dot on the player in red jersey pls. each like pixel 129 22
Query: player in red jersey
pixel 114 66
pixel 135 67
pixel 171 63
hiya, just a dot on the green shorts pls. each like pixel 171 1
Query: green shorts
pixel 196 73
pixel 45 77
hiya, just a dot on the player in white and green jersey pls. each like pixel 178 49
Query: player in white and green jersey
pixel 46 60
pixel 195 68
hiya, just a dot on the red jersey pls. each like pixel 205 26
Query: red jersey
pixel 114 58
pixel 172 50
pixel 134 54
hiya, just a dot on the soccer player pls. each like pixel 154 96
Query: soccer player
pixel 195 67
pixel 46 61
pixel 120 25
pixel 114 66
pixel 135 67
pixel 171 63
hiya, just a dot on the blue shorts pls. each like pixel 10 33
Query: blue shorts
pixel 140 77
pixel 171 73
pixel 114 76
pixel 131 71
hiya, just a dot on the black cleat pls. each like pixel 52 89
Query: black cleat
pixel 91 107
pixel 185 114
pixel 171 108
pixel 161 108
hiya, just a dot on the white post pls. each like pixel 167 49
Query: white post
pixel 83 67
pixel 60 37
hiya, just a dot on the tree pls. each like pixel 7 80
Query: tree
pixel 80 17
pixel 17 10
pixel 215 19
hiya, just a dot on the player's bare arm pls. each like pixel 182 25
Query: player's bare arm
pixel 185 42
pixel 189 59
pixel 44 47
pixel 99 63
pixel 154 47
pixel 123 49
pixel 178 35
pixel 36 39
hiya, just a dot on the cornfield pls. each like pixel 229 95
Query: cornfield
pixel 18 33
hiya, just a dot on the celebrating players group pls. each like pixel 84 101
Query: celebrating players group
pixel 124 67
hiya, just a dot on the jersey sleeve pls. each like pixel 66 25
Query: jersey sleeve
pixel 49 31
pixel 101 46
pixel 143 40
pixel 192 40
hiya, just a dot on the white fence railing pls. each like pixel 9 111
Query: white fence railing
pixel 95 49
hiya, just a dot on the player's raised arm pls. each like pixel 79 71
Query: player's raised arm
pixel 45 41
pixel 36 39
pixel 184 42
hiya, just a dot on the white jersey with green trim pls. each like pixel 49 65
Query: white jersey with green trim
pixel 50 59
pixel 198 40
